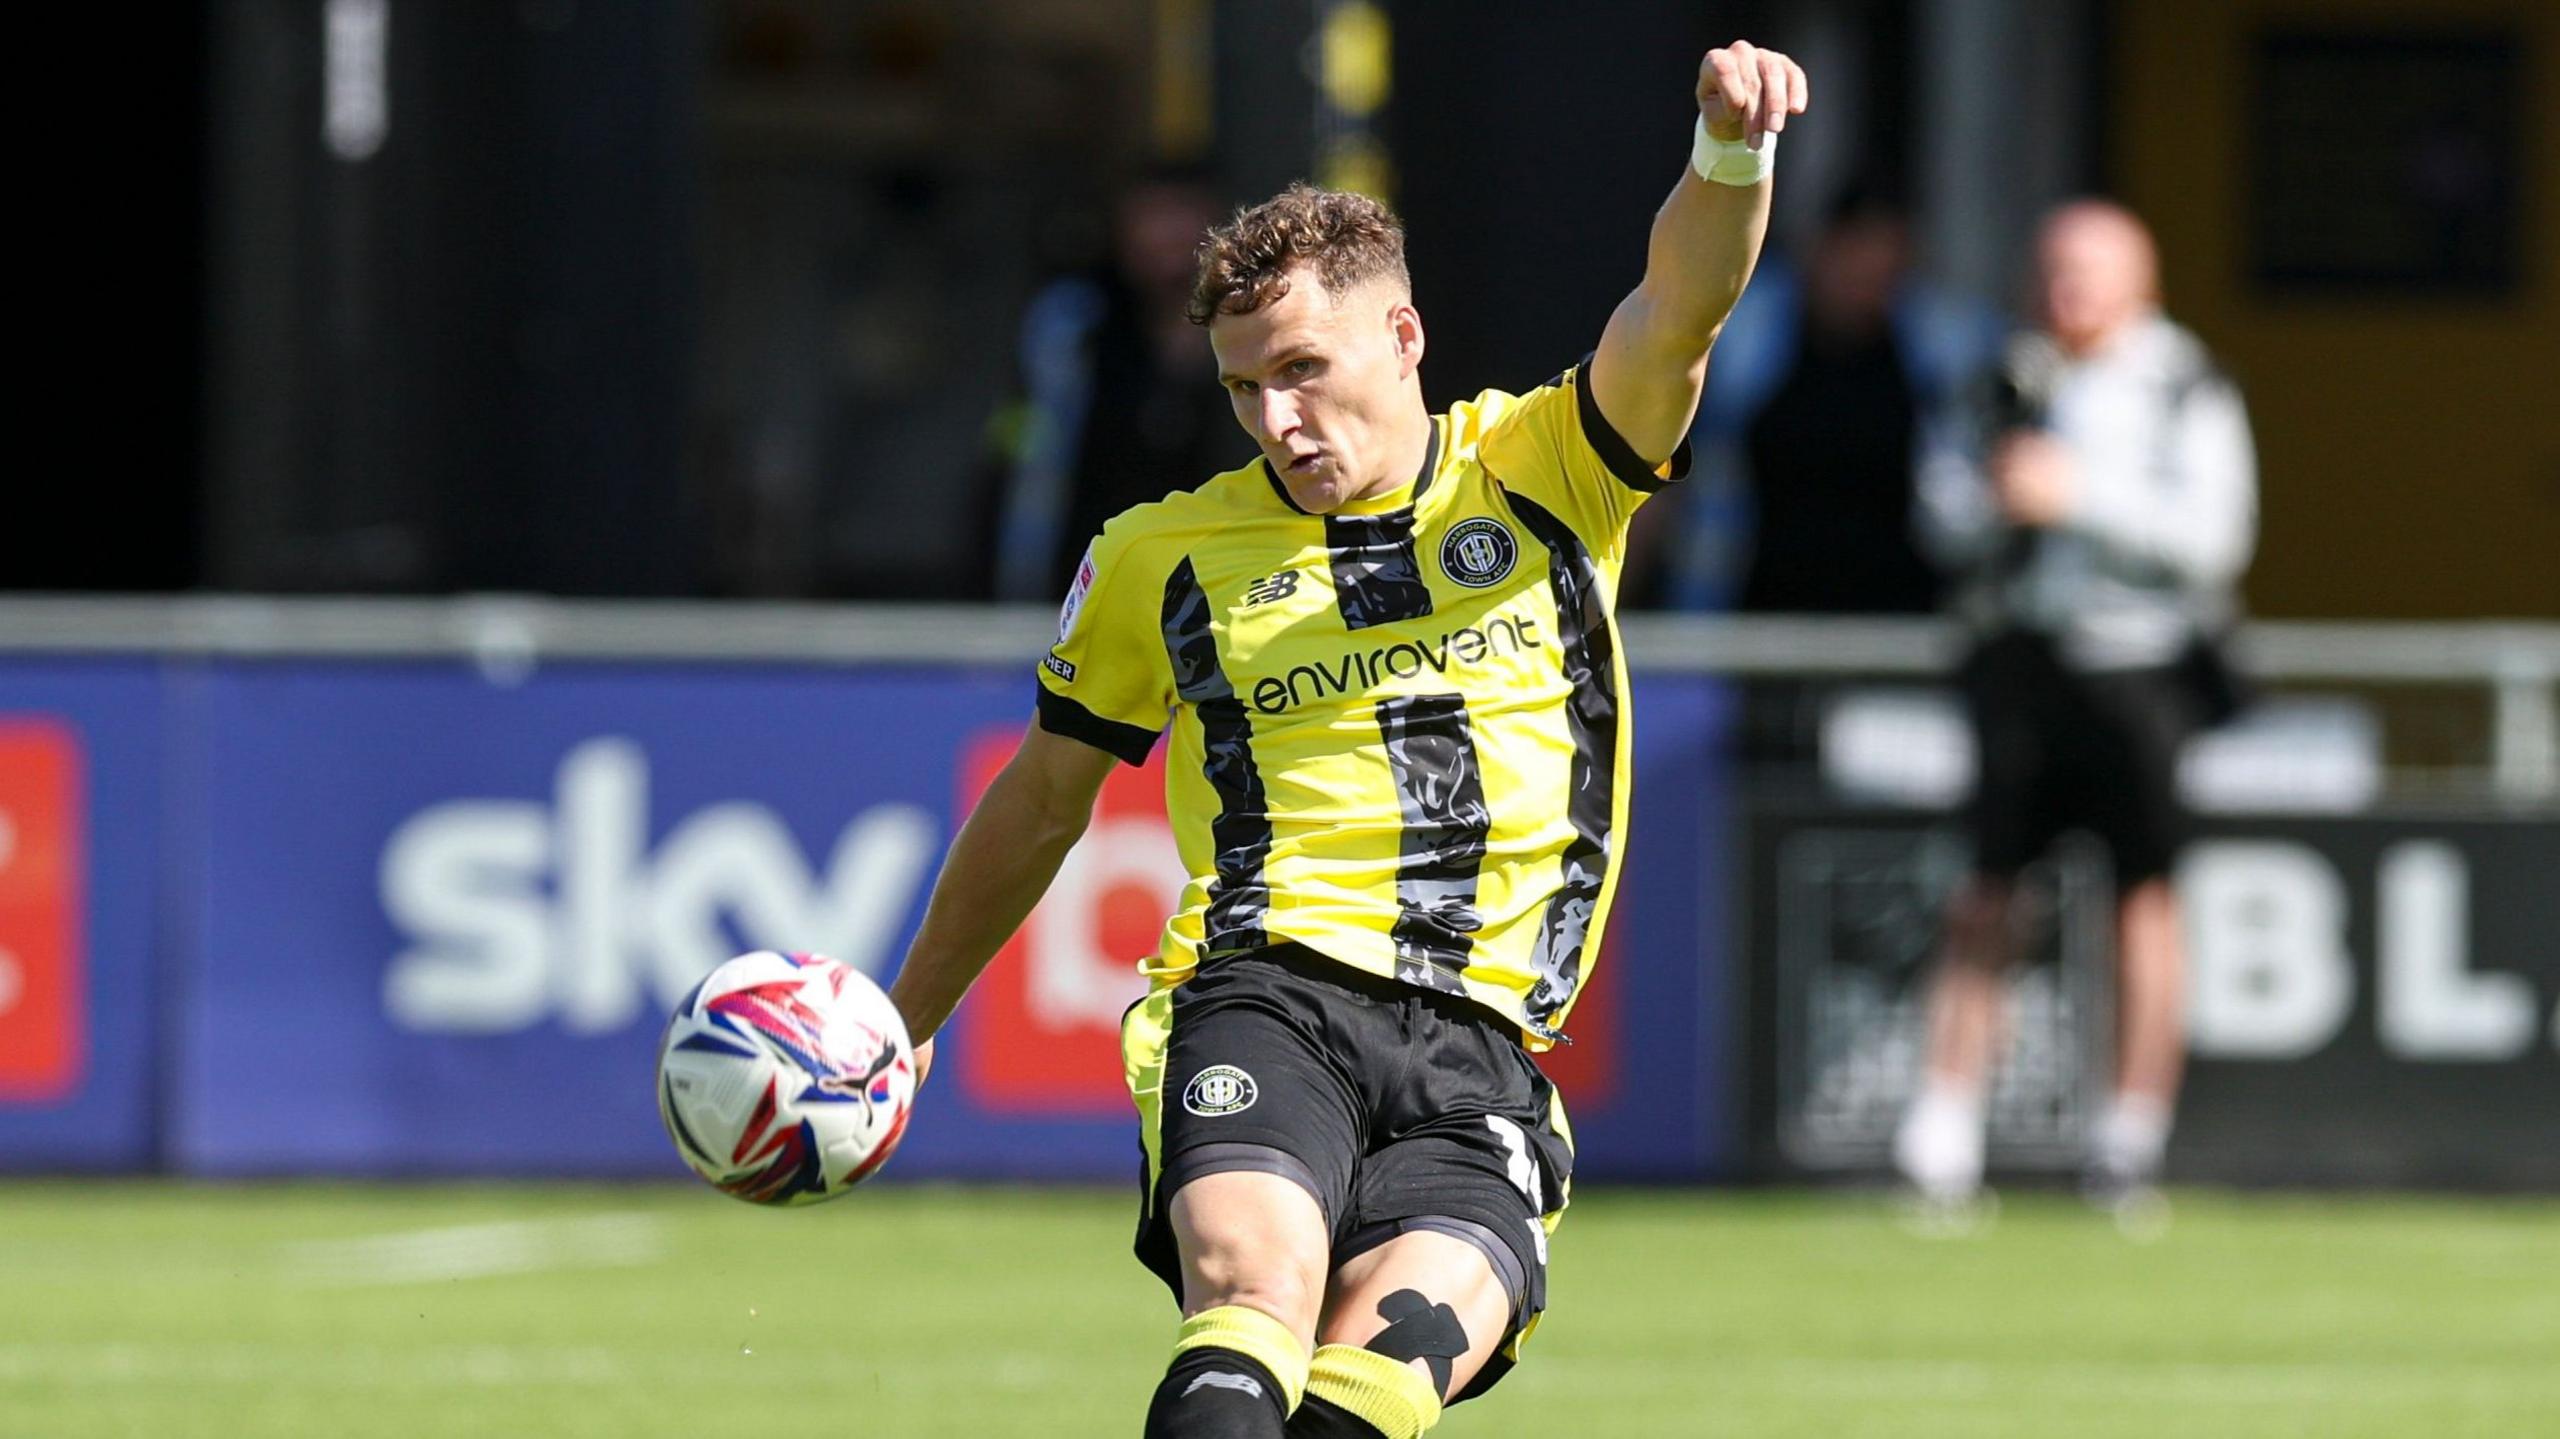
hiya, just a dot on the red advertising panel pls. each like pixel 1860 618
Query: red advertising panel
pixel 40 885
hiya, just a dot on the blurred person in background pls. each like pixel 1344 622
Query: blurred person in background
pixel 2096 525
pixel 1112 412
pixel 1827 381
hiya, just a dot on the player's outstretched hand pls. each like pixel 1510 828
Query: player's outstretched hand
pixel 1747 93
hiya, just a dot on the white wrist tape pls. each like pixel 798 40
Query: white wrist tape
pixel 1731 162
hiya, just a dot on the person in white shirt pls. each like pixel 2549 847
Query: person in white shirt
pixel 2097 522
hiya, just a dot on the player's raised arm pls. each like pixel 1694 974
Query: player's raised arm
pixel 999 866
pixel 1652 360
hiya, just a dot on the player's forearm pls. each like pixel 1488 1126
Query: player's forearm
pixel 1652 362
pixel 999 866
pixel 1706 239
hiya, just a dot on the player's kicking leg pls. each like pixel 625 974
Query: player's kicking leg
pixel 1252 1136
pixel 1254 1251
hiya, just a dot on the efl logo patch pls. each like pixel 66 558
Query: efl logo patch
pixel 1479 553
pixel 1075 598
pixel 1219 1089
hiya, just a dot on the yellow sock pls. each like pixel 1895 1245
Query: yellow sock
pixel 1255 1335
pixel 1388 1395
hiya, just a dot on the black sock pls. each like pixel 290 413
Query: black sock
pixel 1319 1418
pixel 1213 1393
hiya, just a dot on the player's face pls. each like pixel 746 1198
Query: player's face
pixel 1325 385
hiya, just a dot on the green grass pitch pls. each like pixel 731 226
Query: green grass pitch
pixel 918 1312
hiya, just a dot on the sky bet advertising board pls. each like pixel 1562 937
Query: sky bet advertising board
pixel 437 922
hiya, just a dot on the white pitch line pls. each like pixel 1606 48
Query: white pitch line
pixel 357 1367
pixel 478 1251
pixel 2132 1382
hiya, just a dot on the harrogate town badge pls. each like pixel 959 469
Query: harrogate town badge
pixel 1219 1089
pixel 1479 552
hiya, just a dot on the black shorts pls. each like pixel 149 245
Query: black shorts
pixel 2063 750
pixel 1396 1107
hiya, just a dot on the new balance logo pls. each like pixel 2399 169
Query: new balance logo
pixel 1219 1379
pixel 1272 587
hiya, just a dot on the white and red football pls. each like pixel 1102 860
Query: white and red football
pixel 786 1078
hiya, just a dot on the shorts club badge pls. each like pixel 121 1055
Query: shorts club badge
pixel 1219 1089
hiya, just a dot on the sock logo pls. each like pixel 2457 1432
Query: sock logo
pixel 1219 1089
pixel 1220 1379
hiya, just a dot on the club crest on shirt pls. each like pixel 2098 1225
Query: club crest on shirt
pixel 1219 1089
pixel 1479 552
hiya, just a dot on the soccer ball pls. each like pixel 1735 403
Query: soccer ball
pixel 785 1078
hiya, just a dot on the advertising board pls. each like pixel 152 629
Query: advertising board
pixel 2373 999
pixel 437 919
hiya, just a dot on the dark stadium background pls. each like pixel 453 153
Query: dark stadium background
pixel 571 181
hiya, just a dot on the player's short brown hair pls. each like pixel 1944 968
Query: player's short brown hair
pixel 1347 239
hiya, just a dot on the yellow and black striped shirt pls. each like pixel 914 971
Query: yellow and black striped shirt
pixel 1400 730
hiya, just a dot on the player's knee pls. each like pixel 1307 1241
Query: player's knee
pixel 1254 1240
pixel 1234 1277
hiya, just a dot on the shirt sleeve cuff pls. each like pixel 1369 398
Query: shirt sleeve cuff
pixel 1613 449
pixel 1128 743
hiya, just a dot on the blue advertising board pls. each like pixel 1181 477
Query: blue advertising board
pixel 437 919
pixel 82 789
pixel 440 919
